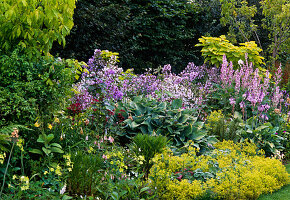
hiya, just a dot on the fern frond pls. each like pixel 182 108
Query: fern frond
pixel 5 134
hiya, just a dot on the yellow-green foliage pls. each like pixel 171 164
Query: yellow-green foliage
pixel 35 24
pixel 241 172
pixel 213 49
pixel 214 120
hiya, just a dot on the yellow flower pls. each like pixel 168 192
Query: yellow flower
pixel 45 172
pixel 14 177
pixel 37 124
pixel 56 120
pixel 50 126
pixel 58 170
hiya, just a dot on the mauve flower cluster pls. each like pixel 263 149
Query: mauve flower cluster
pixel 252 84
pixel 106 79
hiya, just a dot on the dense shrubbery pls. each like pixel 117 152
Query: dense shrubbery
pixel 33 88
pixel 94 131
pixel 146 33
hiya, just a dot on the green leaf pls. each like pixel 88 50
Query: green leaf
pixel 41 138
pixel 46 151
pixel 134 125
pixel 197 136
pixel 144 189
pixel 65 197
pixel 56 150
pixel 49 138
pixel 177 103
pixel 56 145
pixel 37 151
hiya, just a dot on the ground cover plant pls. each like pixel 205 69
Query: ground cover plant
pixel 96 130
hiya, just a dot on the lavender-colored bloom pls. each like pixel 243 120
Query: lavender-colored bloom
pixel 276 97
pixel 232 101
pixel 242 104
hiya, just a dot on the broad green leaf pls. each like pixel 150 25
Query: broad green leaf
pixel 46 151
pixel 56 150
pixel 37 151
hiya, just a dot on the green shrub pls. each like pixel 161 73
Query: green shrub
pixel 224 129
pixel 34 24
pixel 30 89
pixel 86 173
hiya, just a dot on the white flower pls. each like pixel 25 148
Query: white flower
pixel 62 191
pixel 240 62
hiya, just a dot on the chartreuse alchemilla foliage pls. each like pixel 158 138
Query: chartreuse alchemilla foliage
pixel 213 49
pixel 35 24
pixel 230 171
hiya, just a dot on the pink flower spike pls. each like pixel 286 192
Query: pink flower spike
pixel 111 139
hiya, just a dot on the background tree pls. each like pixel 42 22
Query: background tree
pixel 34 24
pixel 250 20
pixel 146 33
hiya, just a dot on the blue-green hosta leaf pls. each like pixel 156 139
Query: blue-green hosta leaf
pixel 144 129
pixel 183 118
pixel 162 105
pixel 197 136
pixel 134 125
pixel 176 103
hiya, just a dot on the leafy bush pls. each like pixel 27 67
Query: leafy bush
pixel 34 25
pixel 213 50
pixel 237 166
pixel 32 89
pixel 149 116
pixel 265 136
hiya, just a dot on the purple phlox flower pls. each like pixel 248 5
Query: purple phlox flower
pixel 166 69
pixel 227 72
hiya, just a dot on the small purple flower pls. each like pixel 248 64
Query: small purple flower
pixel 232 101
pixel 242 105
